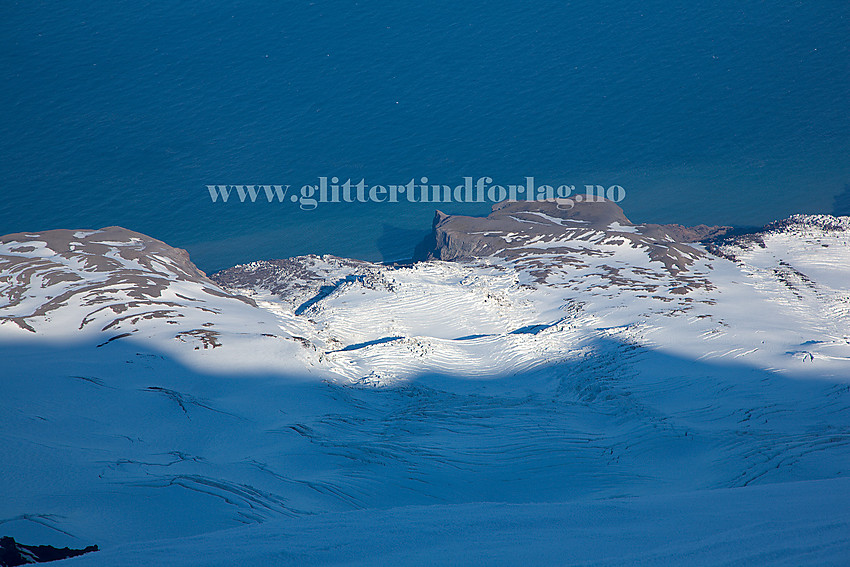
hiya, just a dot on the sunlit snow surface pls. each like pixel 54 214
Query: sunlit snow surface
pixel 616 403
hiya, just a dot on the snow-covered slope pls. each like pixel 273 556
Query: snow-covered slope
pixel 112 284
pixel 776 525
pixel 531 282
pixel 539 355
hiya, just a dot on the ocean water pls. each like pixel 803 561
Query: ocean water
pixel 121 113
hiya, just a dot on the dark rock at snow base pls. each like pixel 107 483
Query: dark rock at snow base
pixel 13 553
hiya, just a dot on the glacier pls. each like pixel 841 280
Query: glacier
pixel 542 385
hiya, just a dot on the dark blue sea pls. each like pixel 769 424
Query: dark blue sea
pixel 121 113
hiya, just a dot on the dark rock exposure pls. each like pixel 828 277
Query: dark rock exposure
pixel 13 553
pixel 457 237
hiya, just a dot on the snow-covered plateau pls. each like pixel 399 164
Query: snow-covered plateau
pixel 542 386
